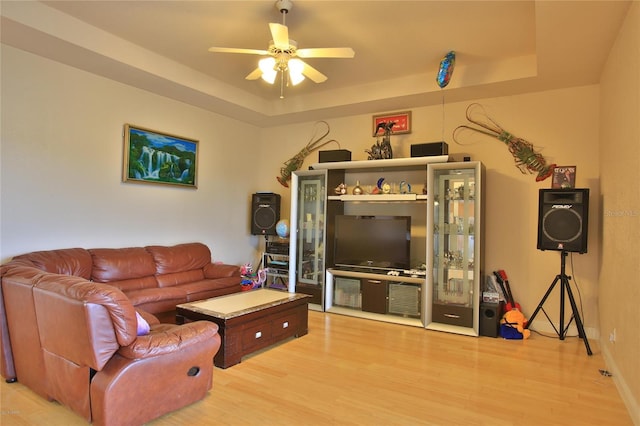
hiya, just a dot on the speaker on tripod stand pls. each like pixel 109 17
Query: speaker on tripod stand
pixel 562 225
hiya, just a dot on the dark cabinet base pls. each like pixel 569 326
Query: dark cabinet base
pixel 452 314
pixel 315 291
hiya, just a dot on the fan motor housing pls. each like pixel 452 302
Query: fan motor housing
pixel 284 5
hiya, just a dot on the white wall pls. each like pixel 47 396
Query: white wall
pixel 61 164
pixel 562 124
pixel 619 290
pixel 62 160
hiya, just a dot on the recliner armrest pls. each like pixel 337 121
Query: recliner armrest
pixel 168 338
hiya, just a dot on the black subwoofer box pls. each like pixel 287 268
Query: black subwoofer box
pixel 563 219
pixel 490 315
pixel 265 213
pixel 334 155
pixel 429 149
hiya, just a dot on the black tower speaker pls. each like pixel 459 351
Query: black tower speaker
pixel 490 315
pixel 563 219
pixel 265 213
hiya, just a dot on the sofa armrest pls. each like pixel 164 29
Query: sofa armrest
pixel 169 338
pixel 221 270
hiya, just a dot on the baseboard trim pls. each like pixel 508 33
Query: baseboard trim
pixel 625 393
pixel 544 327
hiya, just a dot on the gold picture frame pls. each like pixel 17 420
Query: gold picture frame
pixel 159 158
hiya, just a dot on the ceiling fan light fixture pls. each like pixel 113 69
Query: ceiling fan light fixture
pixel 282 55
pixel 270 77
pixel 295 71
pixel 267 65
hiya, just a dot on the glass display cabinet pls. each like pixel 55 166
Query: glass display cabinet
pixel 455 249
pixel 308 234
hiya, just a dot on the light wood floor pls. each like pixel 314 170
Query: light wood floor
pixel 351 371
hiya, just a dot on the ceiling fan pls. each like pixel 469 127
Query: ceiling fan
pixel 283 55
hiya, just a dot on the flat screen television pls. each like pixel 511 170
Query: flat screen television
pixel 375 242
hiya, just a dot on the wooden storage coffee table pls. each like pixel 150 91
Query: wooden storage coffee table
pixel 249 320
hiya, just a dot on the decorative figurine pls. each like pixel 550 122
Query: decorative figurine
pixel 382 151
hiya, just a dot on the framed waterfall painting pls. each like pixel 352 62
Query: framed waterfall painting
pixel 159 158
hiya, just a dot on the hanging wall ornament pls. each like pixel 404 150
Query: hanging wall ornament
pixel 526 158
pixel 295 162
pixel 446 69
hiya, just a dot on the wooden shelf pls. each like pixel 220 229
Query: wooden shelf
pixel 382 198
pixel 381 164
pixel 372 275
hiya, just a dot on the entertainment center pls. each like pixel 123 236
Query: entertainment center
pixel 405 247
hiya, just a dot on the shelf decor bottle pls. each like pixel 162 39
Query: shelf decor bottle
pixel 357 190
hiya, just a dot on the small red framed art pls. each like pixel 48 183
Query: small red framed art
pixel 401 119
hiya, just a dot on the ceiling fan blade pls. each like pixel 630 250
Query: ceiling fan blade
pixel 326 52
pixel 280 36
pixel 254 75
pixel 234 50
pixel 313 74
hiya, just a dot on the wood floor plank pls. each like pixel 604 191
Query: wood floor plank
pixel 352 371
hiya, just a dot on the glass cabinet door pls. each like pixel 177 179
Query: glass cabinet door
pixel 454 250
pixel 308 209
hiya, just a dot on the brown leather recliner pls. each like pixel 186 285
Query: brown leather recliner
pixel 154 278
pixel 97 365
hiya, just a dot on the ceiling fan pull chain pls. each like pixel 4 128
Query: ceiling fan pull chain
pixel 282 85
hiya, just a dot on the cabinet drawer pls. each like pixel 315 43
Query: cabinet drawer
pixel 255 334
pixel 454 315
pixel 285 324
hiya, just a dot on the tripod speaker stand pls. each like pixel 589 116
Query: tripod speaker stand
pixel 563 278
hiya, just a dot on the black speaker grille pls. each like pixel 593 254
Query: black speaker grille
pixel 264 216
pixel 562 225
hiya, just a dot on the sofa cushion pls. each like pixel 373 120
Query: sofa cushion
pixel 121 264
pixel 74 261
pixel 177 278
pixel 156 300
pixel 135 283
pixel 180 258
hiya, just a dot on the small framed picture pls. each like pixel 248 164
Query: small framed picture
pixel 564 177
pixel 401 120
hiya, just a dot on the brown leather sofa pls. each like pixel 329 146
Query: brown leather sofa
pixel 69 328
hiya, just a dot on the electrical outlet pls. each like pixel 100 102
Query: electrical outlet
pixel 612 336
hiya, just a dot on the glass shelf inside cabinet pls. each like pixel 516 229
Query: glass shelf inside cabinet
pixel 454 240
pixel 310 256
